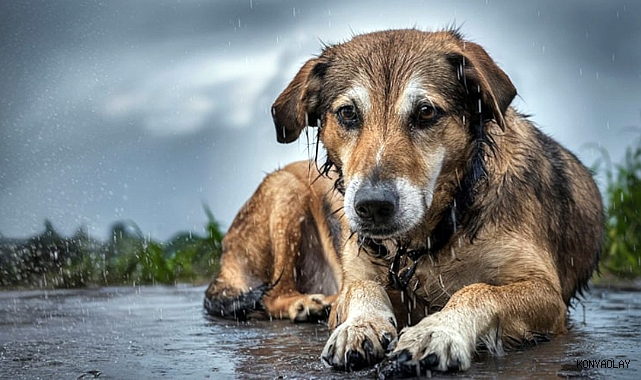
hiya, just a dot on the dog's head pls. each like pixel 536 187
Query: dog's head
pixel 400 113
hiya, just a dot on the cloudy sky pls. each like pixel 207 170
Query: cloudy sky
pixel 146 110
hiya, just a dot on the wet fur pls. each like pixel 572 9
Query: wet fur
pixel 515 224
pixel 280 254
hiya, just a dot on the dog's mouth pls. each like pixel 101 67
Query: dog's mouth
pixel 380 231
pixel 377 232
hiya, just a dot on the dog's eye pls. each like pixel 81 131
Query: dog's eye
pixel 348 116
pixel 425 116
pixel 426 113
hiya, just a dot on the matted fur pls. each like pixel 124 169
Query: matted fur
pixel 490 226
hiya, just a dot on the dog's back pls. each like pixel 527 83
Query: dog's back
pixel 547 191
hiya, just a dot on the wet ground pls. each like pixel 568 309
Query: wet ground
pixel 160 332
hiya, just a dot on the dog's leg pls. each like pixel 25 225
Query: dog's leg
pixel 285 300
pixel 477 313
pixel 366 326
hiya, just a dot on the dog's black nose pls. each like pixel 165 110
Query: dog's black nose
pixel 375 204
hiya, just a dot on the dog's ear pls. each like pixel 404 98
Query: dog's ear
pixel 297 106
pixel 484 80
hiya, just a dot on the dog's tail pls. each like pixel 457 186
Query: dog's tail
pixel 239 307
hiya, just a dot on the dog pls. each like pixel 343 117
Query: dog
pixel 486 225
pixel 279 255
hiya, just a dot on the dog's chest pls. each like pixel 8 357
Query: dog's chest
pixel 423 277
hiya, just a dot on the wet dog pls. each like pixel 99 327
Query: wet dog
pixel 488 226
pixel 279 256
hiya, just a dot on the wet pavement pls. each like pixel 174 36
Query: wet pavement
pixel 161 332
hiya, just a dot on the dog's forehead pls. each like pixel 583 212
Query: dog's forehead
pixel 402 39
pixel 391 63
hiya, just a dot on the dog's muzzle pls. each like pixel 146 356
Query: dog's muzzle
pixel 374 209
pixel 383 209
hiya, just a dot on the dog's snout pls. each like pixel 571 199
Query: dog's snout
pixel 376 205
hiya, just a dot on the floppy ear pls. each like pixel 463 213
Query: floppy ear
pixel 485 81
pixel 296 107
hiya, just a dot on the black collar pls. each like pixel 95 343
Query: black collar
pixel 440 236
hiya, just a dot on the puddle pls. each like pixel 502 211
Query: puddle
pixel 151 332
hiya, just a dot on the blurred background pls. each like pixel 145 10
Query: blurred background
pixel 157 113
pixel 144 110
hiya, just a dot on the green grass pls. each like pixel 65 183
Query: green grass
pixel 622 251
pixel 52 261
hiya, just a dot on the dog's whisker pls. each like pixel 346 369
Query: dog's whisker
pixel 337 210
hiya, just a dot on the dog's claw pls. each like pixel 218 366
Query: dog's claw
pixel 403 365
pixel 326 357
pixel 355 361
pixel 430 361
pixel 386 340
pixel 368 348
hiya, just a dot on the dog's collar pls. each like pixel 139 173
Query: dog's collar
pixel 397 278
pixel 400 280
pixel 440 236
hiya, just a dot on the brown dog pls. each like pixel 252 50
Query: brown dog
pixel 279 254
pixel 488 226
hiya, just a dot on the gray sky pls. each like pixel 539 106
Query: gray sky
pixel 145 110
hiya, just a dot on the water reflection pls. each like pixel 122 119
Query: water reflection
pixel 148 332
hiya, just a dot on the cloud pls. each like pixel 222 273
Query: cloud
pixel 183 97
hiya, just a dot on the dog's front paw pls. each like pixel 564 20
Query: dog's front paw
pixel 441 342
pixel 310 307
pixel 358 342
